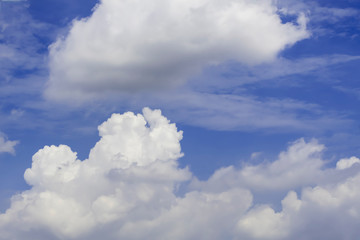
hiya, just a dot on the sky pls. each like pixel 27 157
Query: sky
pixel 179 119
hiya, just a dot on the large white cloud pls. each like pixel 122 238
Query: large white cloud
pixel 131 187
pixel 135 45
pixel 131 171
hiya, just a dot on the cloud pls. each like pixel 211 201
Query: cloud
pixel 133 46
pixel 7 146
pixel 300 165
pixel 231 111
pixel 132 170
pixel 20 41
pixel 23 45
pixel 325 19
pixel 129 188
pixel 347 162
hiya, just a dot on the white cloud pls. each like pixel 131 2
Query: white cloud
pixel 299 166
pixel 128 189
pixel 7 146
pixel 347 162
pixel 272 223
pixel 131 171
pixel 132 46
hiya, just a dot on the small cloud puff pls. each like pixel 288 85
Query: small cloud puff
pixel 128 188
pixel 7 146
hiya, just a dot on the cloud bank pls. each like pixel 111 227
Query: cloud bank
pixel 130 46
pixel 131 187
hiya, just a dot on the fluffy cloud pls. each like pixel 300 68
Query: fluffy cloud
pixel 7 145
pixel 131 171
pixel 129 188
pixel 130 46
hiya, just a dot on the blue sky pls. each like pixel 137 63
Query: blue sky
pixel 244 81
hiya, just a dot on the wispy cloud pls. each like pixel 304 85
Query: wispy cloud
pixel 226 76
pixel 320 16
pixel 246 112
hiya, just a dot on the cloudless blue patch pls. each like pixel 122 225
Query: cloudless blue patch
pixel 337 3
pixel 21 73
pixel 287 18
pixel 60 12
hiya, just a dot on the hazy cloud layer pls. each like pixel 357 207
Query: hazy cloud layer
pixel 129 188
pixel 129 46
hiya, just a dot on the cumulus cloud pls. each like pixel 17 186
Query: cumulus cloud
pixel 129 188
pixel 131 171
pixel 7 146
pixel 130 46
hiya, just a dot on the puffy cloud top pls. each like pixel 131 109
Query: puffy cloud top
pixel 132 168
pixel 136 45
pixel 126 140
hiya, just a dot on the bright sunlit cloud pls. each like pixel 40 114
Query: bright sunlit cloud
pixel 130 46
pixel 129 188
